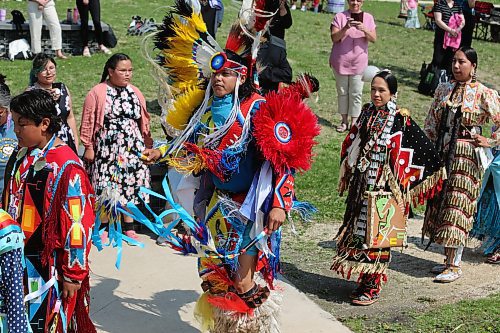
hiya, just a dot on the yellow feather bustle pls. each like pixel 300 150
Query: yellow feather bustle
pixel 184 106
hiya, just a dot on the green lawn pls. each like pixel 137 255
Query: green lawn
pixel 478 316
pixel 398 49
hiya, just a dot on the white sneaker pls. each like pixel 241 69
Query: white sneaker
pixel 293 7
pixel 303 8
pixel 450 274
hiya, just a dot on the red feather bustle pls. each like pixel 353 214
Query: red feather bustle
pixel 285 128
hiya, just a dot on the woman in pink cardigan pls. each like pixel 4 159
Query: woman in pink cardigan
pixel 114 131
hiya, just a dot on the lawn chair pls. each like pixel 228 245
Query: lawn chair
pixel 429 16
pixel 483 12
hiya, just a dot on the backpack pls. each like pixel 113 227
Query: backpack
pixel 109 38
pixel 18 19
pixel 430 77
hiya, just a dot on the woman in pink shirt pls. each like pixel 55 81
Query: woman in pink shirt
pixel 351 31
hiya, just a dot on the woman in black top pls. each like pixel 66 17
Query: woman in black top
pixel 443 11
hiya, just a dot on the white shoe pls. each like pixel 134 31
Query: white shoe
pixel 450 274
pixel 293 7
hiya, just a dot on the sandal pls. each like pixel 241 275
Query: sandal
pixel 341 128
pixel 86 52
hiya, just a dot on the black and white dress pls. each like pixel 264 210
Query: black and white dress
pixel 116 165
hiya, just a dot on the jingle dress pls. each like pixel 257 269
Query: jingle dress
pixel 386 150
pixel 116 146
pixel 458 110
pixel 49 194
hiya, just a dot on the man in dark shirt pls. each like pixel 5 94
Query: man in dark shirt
pixel 282 20
pixel 272 53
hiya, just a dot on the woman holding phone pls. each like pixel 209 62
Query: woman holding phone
pixel 351 31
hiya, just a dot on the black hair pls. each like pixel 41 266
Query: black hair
pixel 4 92
pixel 470 54
pixel 38 65
pixel 247 88
pixel 36 105
pixel 390 79
pixel 112 62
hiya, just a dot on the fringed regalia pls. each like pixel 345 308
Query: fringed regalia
pixel 457 112
pixel 48 192
pixel 487 221
pixel 245 149
pixel 384 151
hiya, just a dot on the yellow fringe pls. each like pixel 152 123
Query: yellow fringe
pixel 464 148
pixel 428 184
pixel 451 237
pixel 457 218
pixel 464 184
pixel 356 268
pixel 342 264
pixel 203 312
pixel 462 202
pixel 187 165
pixel 393 185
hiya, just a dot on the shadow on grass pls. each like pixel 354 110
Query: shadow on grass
pixel 328 288
pixel 324 122
pixel 405 76
pixel 115 312
pixel 470 255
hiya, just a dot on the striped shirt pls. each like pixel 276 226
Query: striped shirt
pixel 446 11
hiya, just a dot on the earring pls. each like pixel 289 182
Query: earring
pixel 473 76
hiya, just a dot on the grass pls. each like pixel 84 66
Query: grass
pixel 478 316
pixel 309 45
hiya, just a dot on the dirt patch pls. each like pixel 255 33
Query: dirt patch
pixel 307 259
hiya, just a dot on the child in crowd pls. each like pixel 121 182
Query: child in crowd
pixel 48 192
pixel 412 21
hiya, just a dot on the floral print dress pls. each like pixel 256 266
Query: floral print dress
pixel 117 166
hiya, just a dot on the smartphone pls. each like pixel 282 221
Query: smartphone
pixel 358 17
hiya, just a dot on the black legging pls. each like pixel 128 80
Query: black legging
pixel 441 57
pixel 94 7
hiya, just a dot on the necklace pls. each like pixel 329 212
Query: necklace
pixel 376 127
pixel 38 164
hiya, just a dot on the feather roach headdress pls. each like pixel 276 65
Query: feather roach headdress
pixel 189 56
